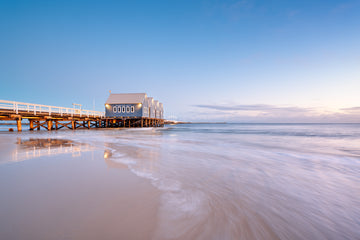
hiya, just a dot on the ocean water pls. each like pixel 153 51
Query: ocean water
pixel 241 181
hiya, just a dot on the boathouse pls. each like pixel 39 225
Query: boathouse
pixel 132 105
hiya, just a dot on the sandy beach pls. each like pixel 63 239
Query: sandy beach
pixel 48 193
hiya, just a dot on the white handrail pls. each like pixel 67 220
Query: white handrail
pixel 20 106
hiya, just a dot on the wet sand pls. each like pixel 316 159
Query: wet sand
pixel 71 196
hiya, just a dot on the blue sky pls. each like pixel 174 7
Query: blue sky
pixel 240 61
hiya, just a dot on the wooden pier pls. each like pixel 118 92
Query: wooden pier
pixel 55 118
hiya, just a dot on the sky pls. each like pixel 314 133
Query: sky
pixel 210 60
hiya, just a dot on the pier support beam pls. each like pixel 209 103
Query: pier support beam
pixel 49 125
pixel 31 124
pixel 18 123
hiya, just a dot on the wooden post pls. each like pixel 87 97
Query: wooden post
pixel 18 123
pixel 141 122
pixel 31 124
pixel 56 125
pixel 73 125
pixel 88 123
pixel 38 125
pixel 49 125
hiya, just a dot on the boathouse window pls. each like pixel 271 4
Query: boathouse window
pixel 127 109
pixel 123 109
pixel 114 109
pixel 132 109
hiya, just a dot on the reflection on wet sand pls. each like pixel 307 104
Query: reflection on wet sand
pixel 45 143
pixel 110 163
pixel 38 147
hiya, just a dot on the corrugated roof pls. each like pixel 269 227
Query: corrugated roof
pixel 127 98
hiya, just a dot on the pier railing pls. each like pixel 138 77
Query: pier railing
pixel 16 107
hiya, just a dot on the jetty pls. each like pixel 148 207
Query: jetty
pixel 54 118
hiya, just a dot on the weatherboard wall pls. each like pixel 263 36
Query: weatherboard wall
pixel 113 110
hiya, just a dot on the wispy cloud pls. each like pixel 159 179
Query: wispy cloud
pixel 239 5
pixel 292 13
pixel 345 6
pixel 352 109
pixel 273 113
pixel 253 107
pixel 232 10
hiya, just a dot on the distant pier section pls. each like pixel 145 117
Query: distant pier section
pixel 123 114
